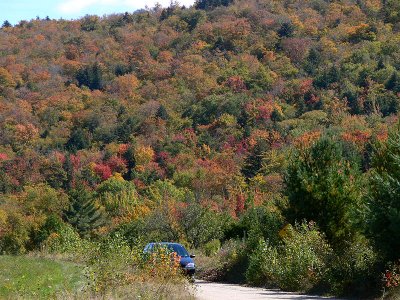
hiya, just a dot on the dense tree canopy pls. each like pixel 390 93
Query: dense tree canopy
pixel 156 122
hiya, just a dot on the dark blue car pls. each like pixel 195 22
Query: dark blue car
pixel 186 260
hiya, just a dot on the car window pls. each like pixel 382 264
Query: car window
pixel 180 250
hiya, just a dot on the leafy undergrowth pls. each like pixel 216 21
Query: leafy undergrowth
pixel 38 278
pixel 29 277
pixel 228 264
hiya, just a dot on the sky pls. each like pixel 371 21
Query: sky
pixel 16 10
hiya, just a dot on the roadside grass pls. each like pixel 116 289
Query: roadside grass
pixel 38 278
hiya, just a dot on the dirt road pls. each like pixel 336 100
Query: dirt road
pixel 221 291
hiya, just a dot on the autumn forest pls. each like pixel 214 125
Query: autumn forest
pixel 252 132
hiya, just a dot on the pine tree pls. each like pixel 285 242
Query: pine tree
pixel 80 139
pixel 209 4
pixel 322 186
pixel 91 76
pixel 6 24
pixel 384 197
pixel 286 30
pixel 393 82
pixel 83 212
pixel 69 171
pixel 253 162
pixel 162 113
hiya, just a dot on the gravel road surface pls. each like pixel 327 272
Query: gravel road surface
pixel 222 291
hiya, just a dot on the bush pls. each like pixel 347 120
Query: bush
pixel 264 221
pixel 113 264
pixel 16 237
pixel 353 272
pixel 212 247
pixel 300 263
pixel 200 225
pixel 64 241
pixel 108 261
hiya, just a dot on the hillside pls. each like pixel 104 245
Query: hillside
pixel 238 128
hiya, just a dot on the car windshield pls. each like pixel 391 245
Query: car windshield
pixel 178 249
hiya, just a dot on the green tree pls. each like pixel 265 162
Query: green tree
pixel 53 224
pixel 253 162
pixel 91 76
pixel 209 4
pixel 43 199
pixel 80 139
pixel 287 30
pixel 6 80
pixel 393 82
pixel 322 186
pixel 83 213
pixel 6 24
pixel 391 10
pixel 90 23
pixel 200 225
pixel 117 195
pixel 384 197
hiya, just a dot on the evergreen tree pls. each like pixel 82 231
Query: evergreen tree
pixel 162 113
pixel 313 61
pixel 286 30
pixel 393 82
pixel 322 186
pixel 210 4
pixel 384 197
pixel 327 77
pixel 69 171
pixel 253 162
pixel 127 18
pixel 391 10
pixel 79 139
pixel 6 24
pixel 83 212
pixel 91 76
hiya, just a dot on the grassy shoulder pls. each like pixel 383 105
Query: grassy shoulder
pixel 33 277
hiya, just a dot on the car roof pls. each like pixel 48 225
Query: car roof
pixel 164 243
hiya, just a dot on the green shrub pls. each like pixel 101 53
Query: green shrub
pixel 200 225
pixel 299 264
pixel 212 247
pixel 233 259
pixel 353 272
pixel 53 224
pixel 108 261
pixel 16 237
pixel 227 264
pixel 254 275
pixel 66 240
pixel 264 222
pixel 113 265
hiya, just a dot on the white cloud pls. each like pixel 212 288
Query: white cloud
pixel 151 3
pixel 77 6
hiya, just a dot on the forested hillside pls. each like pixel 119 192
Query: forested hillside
pixel 254 131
